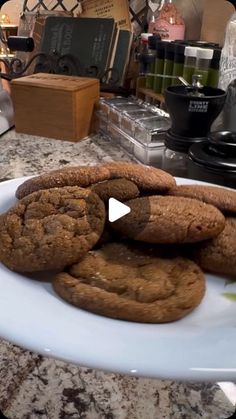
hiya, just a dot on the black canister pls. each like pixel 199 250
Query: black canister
pixel 192 113
pixel 214 160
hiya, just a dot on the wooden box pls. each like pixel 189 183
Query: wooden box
pixel 54 106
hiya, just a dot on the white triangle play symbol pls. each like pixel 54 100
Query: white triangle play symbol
pixel 117 210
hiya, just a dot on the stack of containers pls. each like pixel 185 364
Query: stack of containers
pixel 137 127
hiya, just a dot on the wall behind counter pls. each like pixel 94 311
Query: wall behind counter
pixel 191 9
pixel 216 14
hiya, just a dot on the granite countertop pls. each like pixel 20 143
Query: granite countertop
pixel 32 386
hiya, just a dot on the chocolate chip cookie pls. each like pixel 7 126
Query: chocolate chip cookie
pixel 222 198
pixel 219 255
pixel 120 189
pixel 50 229
pixel 170 219
pixel 121 282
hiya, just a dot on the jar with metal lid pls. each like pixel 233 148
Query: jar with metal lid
pixel 175 157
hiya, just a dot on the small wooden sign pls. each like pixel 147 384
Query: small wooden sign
pixel 119 10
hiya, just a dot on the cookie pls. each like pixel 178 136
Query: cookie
pixel 219 255
pixel 82 176
pixel 50 229
pixel 170 219
pixel 120 189
pixel 222 198
pixel 120 282
pixel 147 178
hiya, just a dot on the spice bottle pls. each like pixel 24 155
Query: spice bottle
pixel 168 65
pixel 178 63
pixel 189 63
pixel 144 54
pixel 159 65
pixel 152 53
pixel 203 61
pixel 214 70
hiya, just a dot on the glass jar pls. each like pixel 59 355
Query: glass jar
pixel 176 158
pixel 175 163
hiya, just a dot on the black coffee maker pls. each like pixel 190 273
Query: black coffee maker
pixel 192 109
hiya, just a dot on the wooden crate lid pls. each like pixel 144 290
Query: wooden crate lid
pixel 56 81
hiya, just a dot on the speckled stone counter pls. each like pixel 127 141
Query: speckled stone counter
pixel 32 386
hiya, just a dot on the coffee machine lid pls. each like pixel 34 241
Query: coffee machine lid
pixel 212 157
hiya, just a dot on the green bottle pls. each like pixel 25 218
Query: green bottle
pixel 168 65
pixel 159 65
pixel 178 63
pixel 213 76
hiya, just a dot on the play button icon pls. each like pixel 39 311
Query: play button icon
pixel 117 210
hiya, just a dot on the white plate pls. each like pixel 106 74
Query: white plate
pixel 202 346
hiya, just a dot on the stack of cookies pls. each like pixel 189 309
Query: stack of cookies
pixel 136 268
